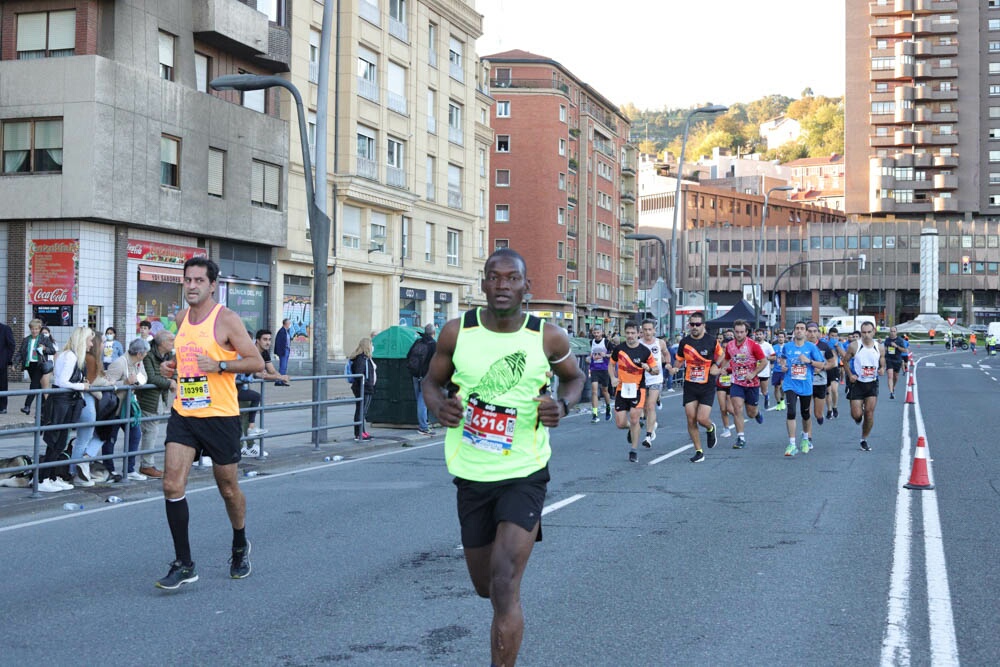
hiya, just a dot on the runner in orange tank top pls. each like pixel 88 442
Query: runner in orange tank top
pixel 211 345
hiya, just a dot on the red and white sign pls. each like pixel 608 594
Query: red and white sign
pixel 952 320
pixel 53 271
pixel 167 253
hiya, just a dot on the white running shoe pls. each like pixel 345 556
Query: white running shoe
pixel 59 481
pixel 253 432
pixel 725 433
pixel 137 477
pixel 80 481
pixel 49 486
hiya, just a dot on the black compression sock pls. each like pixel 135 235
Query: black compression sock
pixel 177 519
pixel 239 538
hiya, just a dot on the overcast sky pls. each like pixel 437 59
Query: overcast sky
pixel 678 53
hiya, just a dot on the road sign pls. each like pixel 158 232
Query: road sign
pixel 952 320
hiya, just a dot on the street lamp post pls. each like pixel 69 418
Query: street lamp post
pixel 576 325
pixel 319 229
pixel 759 265
pixel 712 108
pixel 663 264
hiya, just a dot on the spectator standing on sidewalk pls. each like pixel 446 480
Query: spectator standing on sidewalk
pixel 363 366
pixel 64 407
pixel 283 349
pixel 111 348
pixel 32 356
pixel 129 370
pixel 152 401
pixel 7 348
pixel 418 361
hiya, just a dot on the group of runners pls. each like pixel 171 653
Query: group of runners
pixel 804 369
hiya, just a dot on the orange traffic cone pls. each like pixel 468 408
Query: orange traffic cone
pixel 919 481
pixel 910 383
pixel 909 395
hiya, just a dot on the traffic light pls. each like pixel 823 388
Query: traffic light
pixel 966 267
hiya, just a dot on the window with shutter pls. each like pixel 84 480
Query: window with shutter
pixel 216 171
pixel 170 161
pixel 351 226
pixel 166 56
pixel 201 75
pixel 257 183
pixel 46 34
pixel 272 186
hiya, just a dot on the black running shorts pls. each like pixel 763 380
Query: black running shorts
pixel 859 391
pixel 483 505
pixel 703 394
pixel 601 378
pixel 623 404
pixel 218 437
pixel 819 391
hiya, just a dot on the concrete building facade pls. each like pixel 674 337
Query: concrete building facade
pixel 407 152
pixel 918 153
pixel 563 189
pixel 119 162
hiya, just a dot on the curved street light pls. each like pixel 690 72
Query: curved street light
pixel 319 230
pixel 711 108
pixel 758 267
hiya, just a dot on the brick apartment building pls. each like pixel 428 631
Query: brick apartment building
pixel 563 189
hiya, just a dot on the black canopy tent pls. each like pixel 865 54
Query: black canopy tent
pixel 741 311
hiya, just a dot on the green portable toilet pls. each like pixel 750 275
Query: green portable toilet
pixel 393 402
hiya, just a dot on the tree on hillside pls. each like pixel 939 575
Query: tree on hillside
pixel 823 130
pixel 766 108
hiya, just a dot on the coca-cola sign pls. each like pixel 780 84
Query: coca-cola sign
pixel 51 296
pixel 166 253
pixel 54 266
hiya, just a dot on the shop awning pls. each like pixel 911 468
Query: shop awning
pixel 160 274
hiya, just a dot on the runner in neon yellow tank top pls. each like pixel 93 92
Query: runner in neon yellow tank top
pixel 486 384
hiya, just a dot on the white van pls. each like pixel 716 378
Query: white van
pixel 847 323
pixel 993 329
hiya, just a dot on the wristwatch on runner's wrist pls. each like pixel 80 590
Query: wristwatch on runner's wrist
pixel 223 366
pixel 565 406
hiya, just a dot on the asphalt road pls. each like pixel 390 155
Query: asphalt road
pixel 747 558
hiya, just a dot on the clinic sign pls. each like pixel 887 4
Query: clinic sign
pixel 54 263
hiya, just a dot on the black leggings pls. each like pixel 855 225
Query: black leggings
pixel 804 403
pixel 360 408
pixel 35 376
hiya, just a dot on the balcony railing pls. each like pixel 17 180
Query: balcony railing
pixel 571 229
pixel 454 197
pixel 396 102
pixel 537 84
pixel 571 265
pixel 369 12
pixel 367 168
pixel 628 223
pixel 367 89
pixel 456 72
pixel 455 135
pixel 627 279
pixel 398 30
pixel 313 72
pixel 395 176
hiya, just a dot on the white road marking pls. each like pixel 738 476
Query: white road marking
pixel 669 454
pixel 985 366
pixel 930 364
pixel 896 641
pixel 944 645
pixel 966 365
pixel 562 503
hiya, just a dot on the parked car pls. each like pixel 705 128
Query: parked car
pixel 978 329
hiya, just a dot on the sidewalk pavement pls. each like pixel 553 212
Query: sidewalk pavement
pixel 283 451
